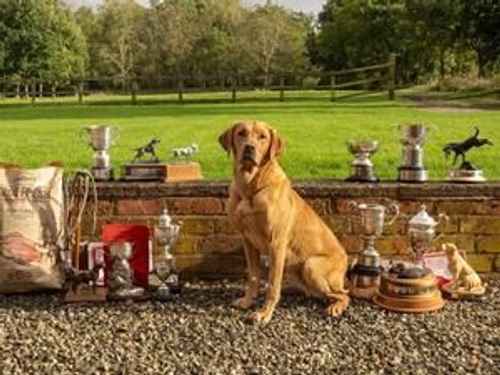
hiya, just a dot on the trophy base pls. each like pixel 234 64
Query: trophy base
pixel 417 295
pixel 86 294
pixel 162 172
pixel 466 175
pixel 413 175
pixel 103 174
pixel 362 173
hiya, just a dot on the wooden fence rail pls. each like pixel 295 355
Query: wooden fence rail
pixel 383 74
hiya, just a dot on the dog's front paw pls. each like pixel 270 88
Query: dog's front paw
pixel 261 316
pixel 243 303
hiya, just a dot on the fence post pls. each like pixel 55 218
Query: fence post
pixel 133 90
pixel 54 91
pixel 180 88
pixel 80 92
pixel 392 76
pixel 332 85
pixel 233 88
pixel 18 90
pixel 282 89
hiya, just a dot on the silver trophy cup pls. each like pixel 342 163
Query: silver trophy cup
pixel 362 166
pixel 413 139
pixel 366 271
pixel 166 234
pixel 100 139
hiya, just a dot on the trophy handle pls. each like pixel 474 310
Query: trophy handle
pixel 115 134
pixel 443 219
pixel 83 135
pixel 394 208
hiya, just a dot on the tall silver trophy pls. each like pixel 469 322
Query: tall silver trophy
pixel 413 139
pixel 166 279
pixel 366 271
pixel 362 166
pixel 100 139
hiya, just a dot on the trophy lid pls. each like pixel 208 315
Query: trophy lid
pixel 165 219
pixel 423 219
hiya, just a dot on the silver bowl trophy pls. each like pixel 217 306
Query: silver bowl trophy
pixel 412 168
pixel 163 279
pixel 362 166
pixel 120 277
pixel 101 138
pixel 467 172
pixel 365 273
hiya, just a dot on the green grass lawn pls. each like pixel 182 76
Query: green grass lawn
pixel 315 129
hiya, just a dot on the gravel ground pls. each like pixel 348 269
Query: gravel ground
pixel 201 334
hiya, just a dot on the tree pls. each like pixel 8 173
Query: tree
pixel 480 30
pixel 40 40
pixel 118 44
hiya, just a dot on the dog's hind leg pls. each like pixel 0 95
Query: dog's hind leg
pixel 324 276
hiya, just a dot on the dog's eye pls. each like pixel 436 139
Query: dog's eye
pixel 241 133
pixel 262 136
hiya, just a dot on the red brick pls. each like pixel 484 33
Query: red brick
pixel 481 262
pixel 187 245
pixel 213 266
pixel 223 225
pixel 338 224
pixel 480 224
pixel 139 207
pixel 197 225
pixel 195 206
pixel 463 241
pixel 352 244
pixel 222 244
pixel 489 244
pixel 320 206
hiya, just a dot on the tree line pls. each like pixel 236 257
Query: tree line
pixel 121 40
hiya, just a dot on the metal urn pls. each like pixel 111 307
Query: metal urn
pixel 366 270
pixel 166 235
pixel 120 277
pixel 422 232
pixel 101 138
pixel 362 166
pixel 413 138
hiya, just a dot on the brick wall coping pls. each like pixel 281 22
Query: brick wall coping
pixel 307 188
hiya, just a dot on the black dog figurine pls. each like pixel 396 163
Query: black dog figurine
pixel 460 149
pixel 147 149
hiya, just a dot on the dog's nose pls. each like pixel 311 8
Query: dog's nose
pixel 249 149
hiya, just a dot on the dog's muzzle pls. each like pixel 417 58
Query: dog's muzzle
pixel 248 153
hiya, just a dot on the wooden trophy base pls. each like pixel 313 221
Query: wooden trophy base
pixel 85 294
pixel 175 172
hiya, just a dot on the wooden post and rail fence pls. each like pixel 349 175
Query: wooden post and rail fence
pixel 383 75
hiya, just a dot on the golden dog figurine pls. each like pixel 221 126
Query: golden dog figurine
pixel 464 278
pixel 275 221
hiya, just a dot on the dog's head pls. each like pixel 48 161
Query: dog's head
pixel 252 143
pixel 449 249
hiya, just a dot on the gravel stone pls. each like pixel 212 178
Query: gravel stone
pixel 199 333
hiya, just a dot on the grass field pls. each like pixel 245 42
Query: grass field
pixel 315 129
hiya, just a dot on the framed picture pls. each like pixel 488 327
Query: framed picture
pixel 96 256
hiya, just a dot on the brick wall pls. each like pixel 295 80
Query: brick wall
pixel 210 247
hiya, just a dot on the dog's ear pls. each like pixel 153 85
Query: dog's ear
pixel 226 139
pixel 277 146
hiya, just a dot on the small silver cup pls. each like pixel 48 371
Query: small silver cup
pixel 413 138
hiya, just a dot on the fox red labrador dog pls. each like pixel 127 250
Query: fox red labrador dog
pixel 275 221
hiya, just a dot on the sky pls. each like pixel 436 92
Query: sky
pixel 304 5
